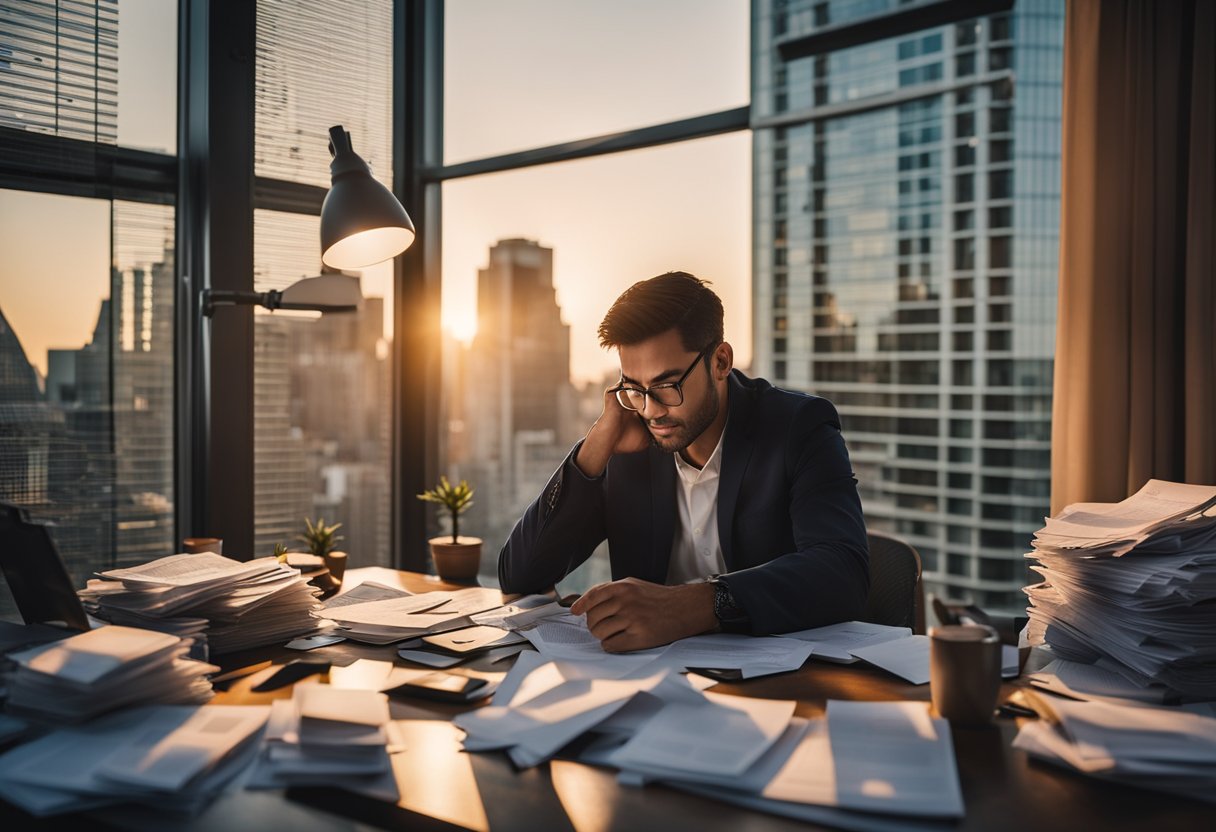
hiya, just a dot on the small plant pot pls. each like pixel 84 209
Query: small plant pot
pixel 458 561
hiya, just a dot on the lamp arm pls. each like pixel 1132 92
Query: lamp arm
pixel 238 297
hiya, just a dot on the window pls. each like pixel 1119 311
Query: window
pixel 322 417
pixel 525 287
pixel 586 64
pixel 88 285
pixel 86 430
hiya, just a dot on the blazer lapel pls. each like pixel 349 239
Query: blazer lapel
pixel 736 452
pixel 662 513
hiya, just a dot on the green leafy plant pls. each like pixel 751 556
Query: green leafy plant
pixel 455 498
pixel 320 538
pixel 280 552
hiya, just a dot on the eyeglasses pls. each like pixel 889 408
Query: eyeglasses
pixel 668 394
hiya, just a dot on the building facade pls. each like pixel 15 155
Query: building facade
pixel 517 406
pixel 906 208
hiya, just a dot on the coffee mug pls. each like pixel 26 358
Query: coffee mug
pixel 194 545
pixel 964 672
pixel 336 563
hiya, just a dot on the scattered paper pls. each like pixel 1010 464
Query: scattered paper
pixel 907 658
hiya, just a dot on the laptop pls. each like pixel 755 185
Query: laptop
pixel 37 578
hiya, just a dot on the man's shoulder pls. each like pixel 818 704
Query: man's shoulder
pixel 769 403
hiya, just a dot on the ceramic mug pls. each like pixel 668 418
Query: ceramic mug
pixel 965 672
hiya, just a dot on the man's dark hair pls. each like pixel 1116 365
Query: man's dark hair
pixel 675 300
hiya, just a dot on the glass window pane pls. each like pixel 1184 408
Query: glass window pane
pixel 872 178
pixel 96 70
pixel 321 64
pixel 322 424
pixel 147 74
pixel 529 73
pixel 86 370
pixel 530 266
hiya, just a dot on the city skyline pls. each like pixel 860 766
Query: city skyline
pixel 614 220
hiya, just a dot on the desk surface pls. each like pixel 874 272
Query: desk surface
pixel 1002 788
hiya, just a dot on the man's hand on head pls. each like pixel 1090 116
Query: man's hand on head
pixel 632 614
pixel 617 431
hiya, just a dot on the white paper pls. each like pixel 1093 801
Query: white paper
pixel 836 642
pixel 166 758
pixel 423 610
pixel 185 570
pixel 366 591
pixel 471 639
pixel 721 736
pixel 752 655
pixel 361 674
pixel 326 702
pixel 907 658
pixel 887 757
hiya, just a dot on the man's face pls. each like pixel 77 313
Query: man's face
pixel 663 360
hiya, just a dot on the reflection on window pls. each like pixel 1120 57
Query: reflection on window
pixel 86 376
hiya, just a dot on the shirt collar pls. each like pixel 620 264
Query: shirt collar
pixel 713 465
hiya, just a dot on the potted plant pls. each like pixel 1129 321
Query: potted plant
pixel 456 558
pixel 322 540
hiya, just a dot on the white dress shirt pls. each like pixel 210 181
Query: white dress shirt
pixel 696 552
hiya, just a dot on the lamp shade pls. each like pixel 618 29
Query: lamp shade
pixel 362 223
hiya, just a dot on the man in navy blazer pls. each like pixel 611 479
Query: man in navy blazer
pixel 728 504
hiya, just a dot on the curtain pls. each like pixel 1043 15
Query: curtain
pixel 1135 369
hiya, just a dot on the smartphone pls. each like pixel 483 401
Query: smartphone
pixel 440 687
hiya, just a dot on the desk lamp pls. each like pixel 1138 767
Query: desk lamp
pixel 362 223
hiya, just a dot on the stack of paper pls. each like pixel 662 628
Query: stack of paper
pixel 242 605
pixel 1166 749
pixel 394 619
pixel 88 674
pixel 170 757
pixel 325 735
pixel 1130 587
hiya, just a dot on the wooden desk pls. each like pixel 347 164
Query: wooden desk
pixel 1002 788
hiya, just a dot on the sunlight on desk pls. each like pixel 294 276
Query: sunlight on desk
pixel 434 776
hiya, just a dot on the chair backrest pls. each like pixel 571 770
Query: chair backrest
pixel 896 595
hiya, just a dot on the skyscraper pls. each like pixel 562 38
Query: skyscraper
pixel 518 401
pixel 906 205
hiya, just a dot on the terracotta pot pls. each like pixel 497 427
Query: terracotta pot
pixel 458 561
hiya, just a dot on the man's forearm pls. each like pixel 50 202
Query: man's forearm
pixel 556 533
pixel 592 456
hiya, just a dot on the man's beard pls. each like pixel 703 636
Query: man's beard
pixel 687 430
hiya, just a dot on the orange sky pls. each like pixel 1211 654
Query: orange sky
pixel 529 73
pixel 519 74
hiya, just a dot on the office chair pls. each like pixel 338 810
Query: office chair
pixel 896 594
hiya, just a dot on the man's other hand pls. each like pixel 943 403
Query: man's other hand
pixel 632 614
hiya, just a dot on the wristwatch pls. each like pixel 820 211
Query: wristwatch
pixel 732 618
